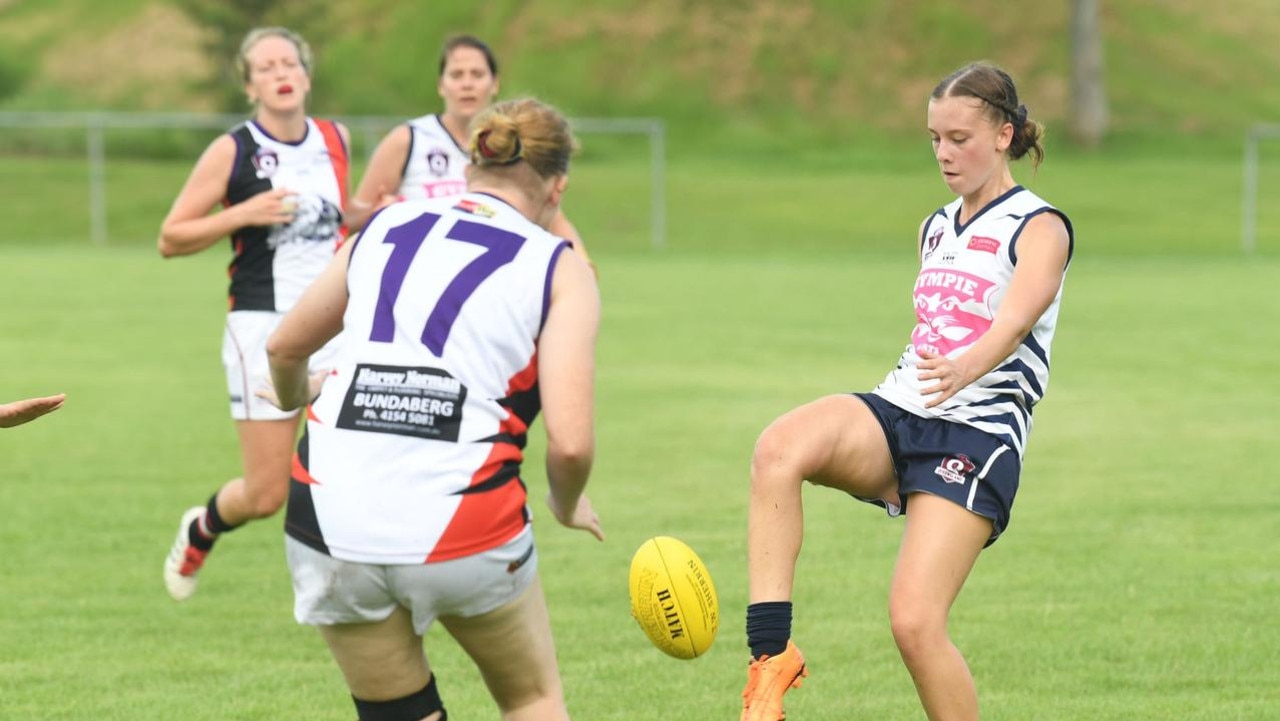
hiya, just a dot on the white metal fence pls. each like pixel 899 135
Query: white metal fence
pixel 1249 209
pixel 367 128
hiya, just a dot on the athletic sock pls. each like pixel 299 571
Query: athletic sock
pixel 208 526
pixel 768 627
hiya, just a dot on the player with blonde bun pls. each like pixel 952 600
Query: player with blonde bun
pixel 278 182
pixel 941 439
pixel 463 318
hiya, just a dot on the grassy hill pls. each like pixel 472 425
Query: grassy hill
pixel 719 71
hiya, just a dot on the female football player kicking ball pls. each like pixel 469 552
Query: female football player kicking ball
pixel 943 436
pixel 462 317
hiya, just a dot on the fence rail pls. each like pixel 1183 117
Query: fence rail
pixel 369 128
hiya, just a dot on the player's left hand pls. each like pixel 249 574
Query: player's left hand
pixel 948 373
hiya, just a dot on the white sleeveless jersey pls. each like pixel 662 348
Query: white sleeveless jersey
pixel 964 274
pixel 412 451
pixel 435 166
pixel 274 264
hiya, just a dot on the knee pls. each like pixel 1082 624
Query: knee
pixel 264 499
pixel 918 630
pixel 777 457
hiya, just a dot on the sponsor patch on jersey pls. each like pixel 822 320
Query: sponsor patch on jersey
pixel 955 469
pixel 421 402
pixel 438 162
pixel 265 163
pixel 474 208
pixel 984 244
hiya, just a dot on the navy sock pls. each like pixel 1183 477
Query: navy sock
pixel 768 627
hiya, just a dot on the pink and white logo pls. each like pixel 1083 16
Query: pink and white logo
pixel 953 310
pixel 984 244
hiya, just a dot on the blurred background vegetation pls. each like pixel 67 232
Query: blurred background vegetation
pixel 779 74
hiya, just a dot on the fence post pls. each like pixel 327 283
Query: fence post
pixel 658 151
pixel 97 180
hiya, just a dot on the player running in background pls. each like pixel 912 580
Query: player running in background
pixel 461 317
pixel 281 179
pixel 27 410
pixel 425 157
pixel 943 435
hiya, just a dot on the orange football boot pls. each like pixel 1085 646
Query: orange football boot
pixel 768 678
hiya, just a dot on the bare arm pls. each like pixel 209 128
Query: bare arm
pixel 25 411
pixel 313 321
pixel 189 228
pixel 1042 261
pixel 381 179
pixel 566 381
pixel 561 226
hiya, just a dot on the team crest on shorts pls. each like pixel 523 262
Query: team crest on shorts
pixel 955 469
pixel 265 161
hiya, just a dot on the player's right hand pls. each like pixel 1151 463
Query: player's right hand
pixel 274 207
pixel 582 516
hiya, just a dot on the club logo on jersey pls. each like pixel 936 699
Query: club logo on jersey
pixel 955 469
pixel 265 162
pixel 986 245
pixel 474 208
pixel 953 309
pixel 931 243
pixel 438 162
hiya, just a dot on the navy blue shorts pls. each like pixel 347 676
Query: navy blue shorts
pixel 962 464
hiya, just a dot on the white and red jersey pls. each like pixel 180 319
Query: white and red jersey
pixel 964 274
pixel 274 264
pixel 435 166
pixel 412 451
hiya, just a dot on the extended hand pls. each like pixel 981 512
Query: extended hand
pixel 19 412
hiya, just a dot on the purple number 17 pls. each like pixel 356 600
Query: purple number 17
pixel 500 247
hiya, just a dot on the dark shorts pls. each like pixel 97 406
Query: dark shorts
pixel 964 465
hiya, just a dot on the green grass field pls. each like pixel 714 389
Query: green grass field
pixel 1137 581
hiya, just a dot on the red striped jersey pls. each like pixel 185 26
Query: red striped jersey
pixel 274 264
pixel 412 452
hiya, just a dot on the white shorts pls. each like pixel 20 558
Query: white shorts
pixel 329 591
pixel 244 356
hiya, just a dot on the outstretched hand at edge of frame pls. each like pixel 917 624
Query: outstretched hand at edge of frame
pixel 24 411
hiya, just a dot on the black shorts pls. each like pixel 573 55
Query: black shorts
pixel 962 464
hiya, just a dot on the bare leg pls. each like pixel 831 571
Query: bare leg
pixel 834 441
pixel 266 449
pixel 514 650
pixel 381 661
pixel 939 547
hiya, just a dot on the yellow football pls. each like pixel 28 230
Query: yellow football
pixel 673 598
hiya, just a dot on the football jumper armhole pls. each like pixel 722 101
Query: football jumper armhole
pixel 338 159
pixel 546 285
pixel 1071 235
pixel 404 168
